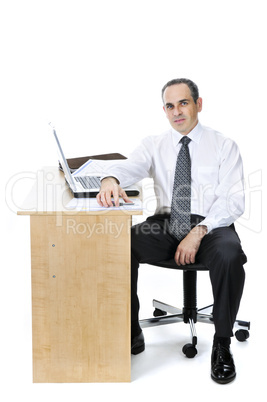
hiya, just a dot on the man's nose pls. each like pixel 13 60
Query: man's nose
pixel 176 110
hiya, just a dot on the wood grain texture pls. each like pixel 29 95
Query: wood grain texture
pixel 81 298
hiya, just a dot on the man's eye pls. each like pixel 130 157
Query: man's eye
pixel 184 103
pixel 169 106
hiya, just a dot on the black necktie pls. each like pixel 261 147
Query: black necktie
pixel 181 196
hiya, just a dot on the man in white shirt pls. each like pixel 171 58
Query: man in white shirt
pixel 217 200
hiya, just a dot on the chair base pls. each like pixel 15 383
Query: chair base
pixel 178 315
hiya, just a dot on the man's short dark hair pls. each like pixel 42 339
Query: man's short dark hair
pixel 191 85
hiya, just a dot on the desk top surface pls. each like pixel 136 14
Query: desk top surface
pixel 51 195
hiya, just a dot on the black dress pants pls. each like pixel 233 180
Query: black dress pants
pixel 220 251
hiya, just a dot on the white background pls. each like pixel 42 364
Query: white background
pixel 96 69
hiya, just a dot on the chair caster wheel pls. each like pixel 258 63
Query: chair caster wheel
pixel 158 312
pixel 242 335
pixel 189 350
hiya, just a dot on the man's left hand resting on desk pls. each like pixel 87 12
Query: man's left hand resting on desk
pixel 110 187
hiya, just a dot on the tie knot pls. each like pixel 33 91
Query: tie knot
pixel 185 140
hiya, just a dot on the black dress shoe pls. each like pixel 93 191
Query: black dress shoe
pixel 138 344
pixel 222 364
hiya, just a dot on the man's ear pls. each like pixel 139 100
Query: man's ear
pixel 199 104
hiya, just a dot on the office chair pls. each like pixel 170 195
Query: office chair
pixel 190 313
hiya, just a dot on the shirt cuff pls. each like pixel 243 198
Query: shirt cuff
pixel 108 175
pixel 208 225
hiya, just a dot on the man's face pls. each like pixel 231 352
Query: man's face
pixel 180 108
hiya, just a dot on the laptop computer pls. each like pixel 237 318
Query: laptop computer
pixel 83 186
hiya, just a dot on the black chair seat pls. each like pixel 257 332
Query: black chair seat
pixel 172 265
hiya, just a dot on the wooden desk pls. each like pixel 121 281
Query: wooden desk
pixel 80 287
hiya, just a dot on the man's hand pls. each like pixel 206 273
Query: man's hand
pixel 188 248
pixel 109 188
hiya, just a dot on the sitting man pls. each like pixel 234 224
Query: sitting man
pixel 198 182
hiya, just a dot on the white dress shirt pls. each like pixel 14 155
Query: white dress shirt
pixel 216 173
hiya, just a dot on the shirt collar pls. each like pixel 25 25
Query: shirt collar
pixel 194 135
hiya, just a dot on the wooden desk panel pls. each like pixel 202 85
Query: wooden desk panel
pixel 81 298
pixel 80 286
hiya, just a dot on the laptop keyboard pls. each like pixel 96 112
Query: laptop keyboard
pixel 88 182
